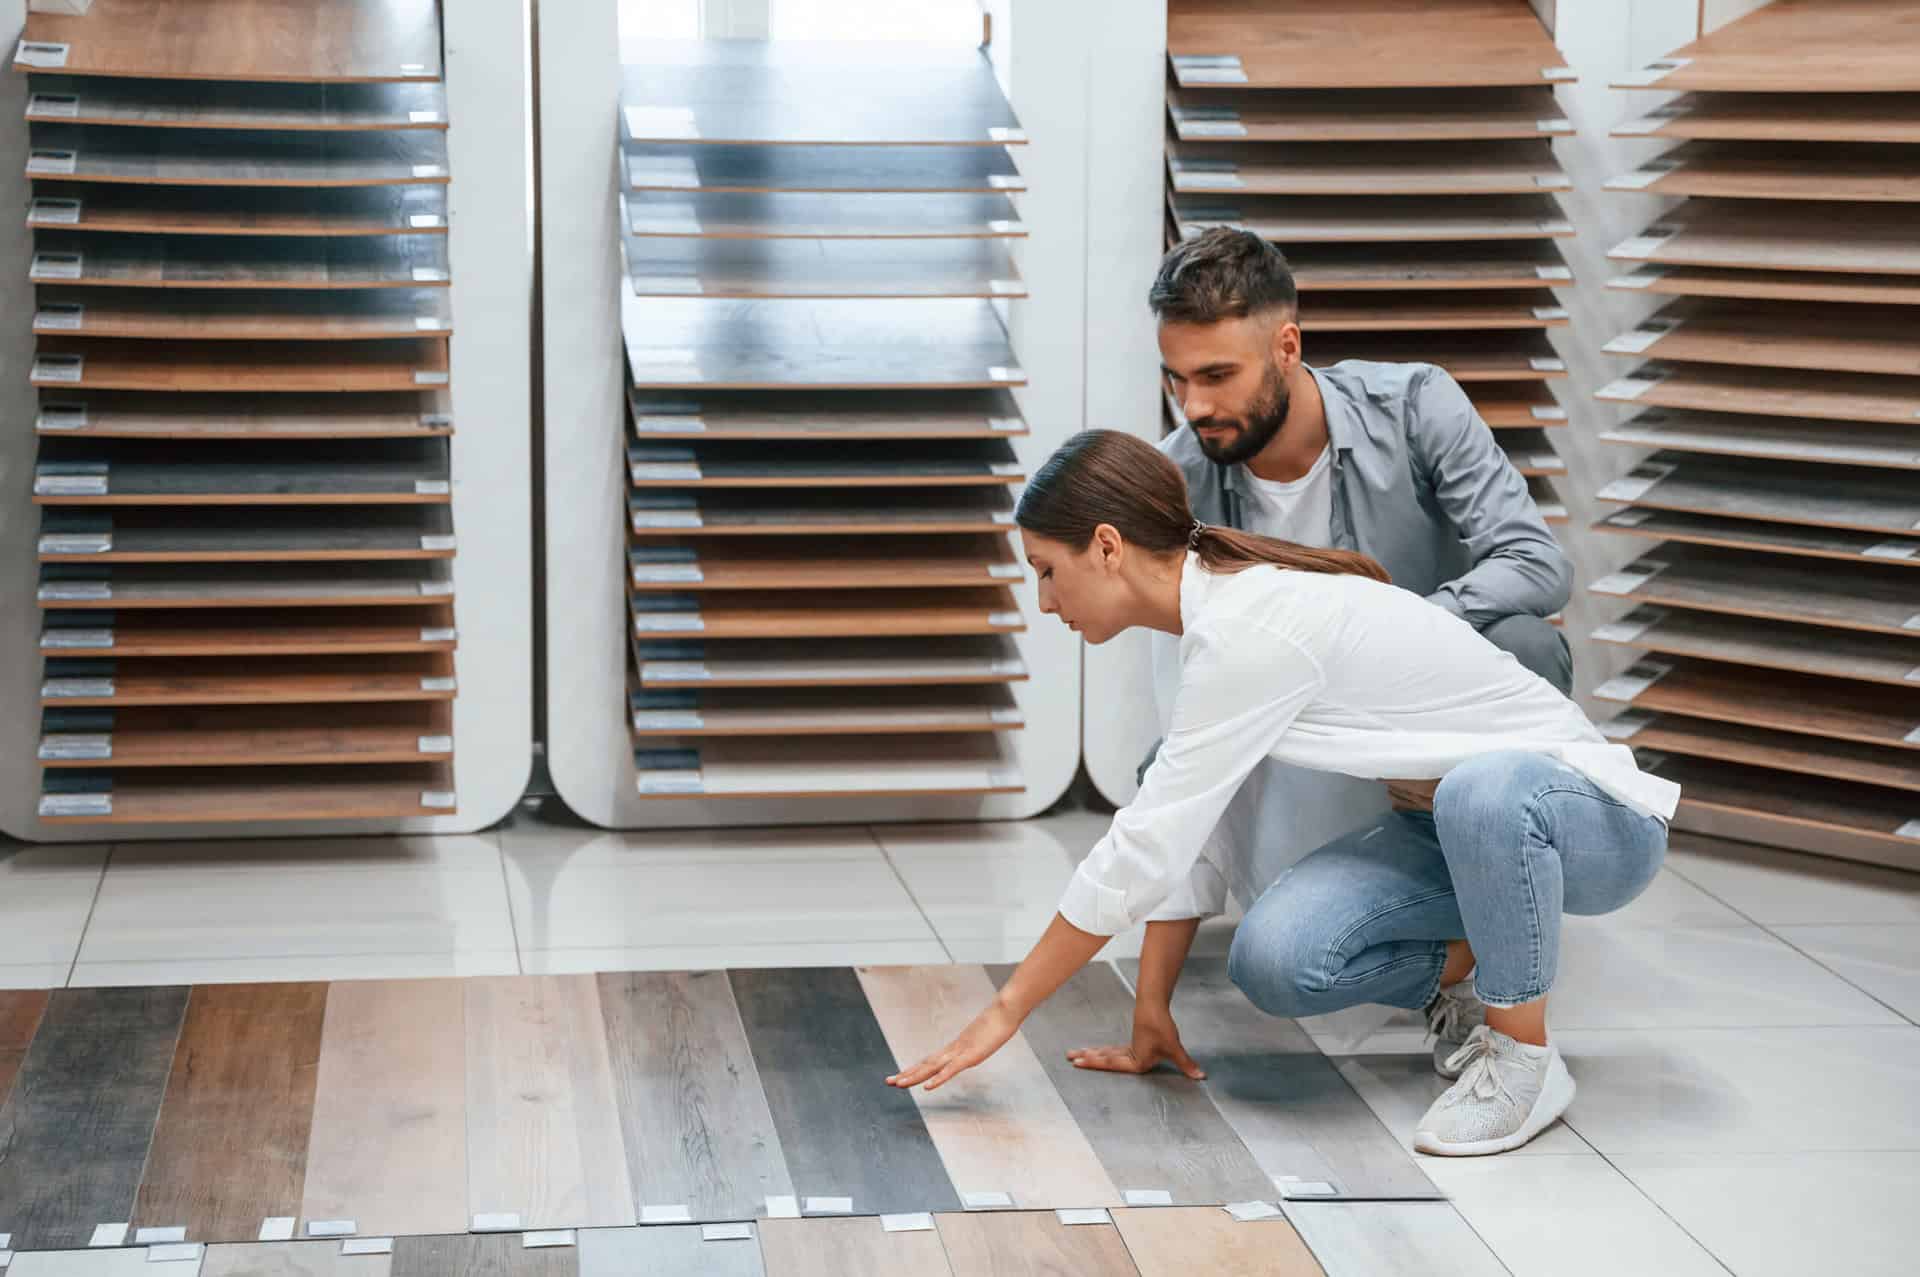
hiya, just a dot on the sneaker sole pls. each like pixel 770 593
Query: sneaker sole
pixel 1553 1100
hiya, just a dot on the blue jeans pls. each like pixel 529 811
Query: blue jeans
pixel 1514 841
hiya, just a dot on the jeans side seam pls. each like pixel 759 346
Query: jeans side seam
pixel 1338 942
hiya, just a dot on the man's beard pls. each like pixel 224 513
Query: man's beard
pixel 1265 415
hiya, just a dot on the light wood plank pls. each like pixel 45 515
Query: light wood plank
pixel 1807 443
pixel 211 157
pixel 1782 117
pixel 106 414
pixel 20 1013
pixel 1779 236
pixel 1506 357
pixel 1841 596
pixel 1427 312
pixel 242 366
pixel 1323 268
pixel 1786 171
pixel 826 415
pixel 329 213
pixel 817 766
pixel 308 680
pixel 1031 1244
pixel 813 215
pixel 163 104
pixel 1778 492
pixel 233 585
pixel 1516 405
pixel 1769 645
pixel 848 1248
pixel 1836 709
pixel 1378 115
pixel 1333 168
pixel 1823 338
pixel 496 1255
pixel 827 613
pixel 795 512
pixel 384 472
pixel 240 634
pixel 292 1259
pixel 915 170
pixel 1755 534
pixel 543 1126
pixel 201 262
pixel 361 315
pixel 224 535
pixel 1805 46
pixel 784 563
pixel 666 1251
pixel 1294 220
pixel 1800 802
pixel 1760 747
pixel 839 663
pixel 251 736
pixel 821 268
pixel 819 712
pixel 186 795
pixel 1176 1243
pixel 1784 286
pixel 1380 1239
pixel 1769 392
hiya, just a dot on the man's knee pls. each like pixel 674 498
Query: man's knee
pixel 1536 644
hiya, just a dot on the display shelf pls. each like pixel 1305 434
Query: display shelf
pixel 1756 534
pixel 106 414
pixel 117 682
pixel 1768 392
pixel 1825 338
pixel 110 364
pixel 675 664
pixel 282 108
pixel 1835 709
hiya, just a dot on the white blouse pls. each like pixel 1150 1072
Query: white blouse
pixel 1336 673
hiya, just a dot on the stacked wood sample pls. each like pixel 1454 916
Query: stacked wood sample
pixel 244 481
pixel 1778 594
pixel 818 246
pixel 1411 191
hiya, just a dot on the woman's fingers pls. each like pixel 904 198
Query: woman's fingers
pixel 921 1071
pixel 1108 1059
pixel 1187 1064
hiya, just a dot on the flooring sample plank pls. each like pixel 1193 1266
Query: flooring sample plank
pixel 480 1255
pixel 276 634
pixel 1175 1243
pixel 228 535
pixel 1839 596
pixel 1762 747
pixel 819 712
pixel 1855 172
pixel 231 1146
pixel 1001 1126
pixel 1769 392
pixel 1505 357
pixel 1336 168
pixel 1757 534
pixel 245 736
pixel 1769 645
pixel 786 563
pixel 92 472
pixel 827 613
pixel 20 1014
pixel 1431 312
pixel 240 366
pixel 233 261
pixel 1369 1239
pixel 389 1145
pixel 695 1121
pixel 1377 115
pixel 1806 443
pixel 287 680
pixel 1547 500
pixel 289 108
pixel 809 465
pixel 216 316
pixel 1803 802
pixel 1291 1107
pixel 1531 452
pixel 323 42
pixel 665 1251
pixel 543 1125
pixel 1319 269
pixel 1845 497
pixel 823 1060
pixel 105 1262
pixel 840 663
pixel 1157 1131
pixel 1324 219
pixel 821 268
pixel 911 170
pixel 1833 708
pixel 292 1259
pixel 1824 338
pixel 231 585
pixel 211 157
pixel 722 416
pixel 1770 285
pixel 187 795
pixel 848 1248
pixel 108 414
pixel 85 212
pixel 1782 117
pixel 705 344
pixel 1031 1244
pixel 1801 47
pixel 1516 405
pixel 1394 44
pixel 76 1128
pixel 817 215
pixel 797 511
pixel 1779 236
pixel 841 766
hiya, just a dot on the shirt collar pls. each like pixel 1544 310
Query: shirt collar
pixel 1340 425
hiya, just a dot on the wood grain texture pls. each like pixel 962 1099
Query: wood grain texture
pixel 717 512
pixel 848 1248
pixel 786 563
pixel 1772 285
pixel 231 1146
pixel 487 1255
pixel 260 736
pixel 1177 1243
pixel 543 1126
pixel 911 170
pixel 1767 645
pixel 249 366
pixel 808 711
pixel 234 585
pixel 218 316
pixel 253 681
pixel 1824 338
pixel 1159 1131
pixel 292 1259
pixel 1787 117
pixel 840 663
pixel 1757 534
pixel 1782 751
pixel 821 268
pixel 1321 268
pixel 832 614
pixel 1783 236
pixel 209 157
pixel 1427 311
pixel 813 465
pixel 1806 46
pixel 160 534
pixel 1806 443
pixel 1337 168
pixel 240 262
pixel 1001 1126
pixel 665 1251
pixel 1768 392
pixel 843 766
pixel 827 415
pixel 1502 357
pixel 1840 172
pixel 1833 708
pixel 1291 221
pixel 253 212
pixel 74 1132
pixel 163 104
pixel 1777 491
pixel 1031 1244
pixel 110 414
pixel 389 1145
pixel 387 472
pixel 1379 115
pixel 1802 802
pixel 1840 596
pixel 817 215
pixel 823 1060
pixel 250 634
pixel 1379 1239
pixel 186 795
pixel 20 1014
pixel 696 1124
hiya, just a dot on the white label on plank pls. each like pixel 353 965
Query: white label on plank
pixel 429 170
pixel 668 286
pixel 1005 571
pixel 1002 182
pixel 331 1228
pixel 75 746
pixel 1212 74
pixel 1643 177
pixel 1909 830
pixel 1636 483
pixel 1542 461
pixel 783 1208
pixel 367 1246
pixel 1007 136
pixel 53 106
pixel 1247 1212
pixel 438 634
pixel 1638 678
pixel 1892 550
pixel 76 591
pixel 1557 125
pixel 41 53
pixel 1082 1217
pixel 54 212
pixel 60 317
pixel 670 425
pixel 430 377
pixel 1559 73
pixel 547 1237
pixel 916 1222
pixel 277 1228
pixel 1007 716
pixel 1644 277
pixel 430 324
pixel 1542 412
pixel 88 688
pixel 677 1214
pixel 1550 312
pixel 1643 245
pixel 76 638
pixel 437 543
pixel 496 1222
pixel 176 1253
pixel 659 470
pixel 1148 1197
pixel 436 421
pixel 1002 517
pixel 987 1201
pixel 413 68
pixel 1911 623
pixel 425 117
pixel 82 805
pixel 667 720
pixel 675 671
pixel 1631 387
pixel 829 1206
pixel 1630 578
pixel 733 1232
pixel 432 487
pixel 55 266
pixel 1631 626
pixel 430 275
pixel 1553 181
pixel 1187 178
pixel 76 543
pixel 1003 226
pixel 1006 288
pixel 436 683
pixel 1209 128
pixel 1629 518
pixel 70 485
pixel 1305 1188
pixel 435 744
pixel 436 589
pixel 1000 372
pixel 656 622
pixel 1010 469
pixel 107 1234
pixel 663 573
pixel 425 221
pixel 1641 338
pixel 1543 363
pixel 1652 122
pixel 439 799
pixel 1003 618
pixel 1653 72
pixel 1555 226
pixel 667 519
pixel 159 1236
pixel 48 160
pixel 1006 425
pixel 1627 725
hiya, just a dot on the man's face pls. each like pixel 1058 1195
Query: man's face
pixel 1229 383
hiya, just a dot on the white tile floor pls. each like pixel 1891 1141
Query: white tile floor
pixel 1744 1035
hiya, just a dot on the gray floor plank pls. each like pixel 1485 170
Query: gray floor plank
pixel 665 1252
pixel 1393 1239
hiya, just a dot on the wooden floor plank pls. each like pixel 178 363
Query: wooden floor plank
pixel 1801 47
pixel 1770 392
pixel 1503 357
pixel 1801 802
pixel 838 663
pixel 212 157
pixel 1291 221
pixel 813 711
pixel 248 634
pixel 1833 708
pixel 1321 268
pixel 242 366
pixel 1767 645
pixel 231 534
pixel 1336 168
pixel 1427 311
pixel 666 1251
pixel 821 268
pixel 696 1124
pixel 827 613
pixel 848 1248
pixel 1177 1243
pixel 1824 338
pixel 817 563
pixel 96 213
pixel 162 104
pixel 851 169
pixel 101 472
pixel 1377 115
pixel 818 766
pixel 389 1145
pixel 1382 1239
pixel 363 315
pixel 823 1060
pixel 1776 491
pixel 187 795
pixel 77 1126
pixel 230 1149
pixel 846 415
pixel 1770 285
pixel 543 1127
pixel 909 463
pixel 1840 596
pixel 1818 443
pixel 1762 747
pixel 1159 1131
pixel 310 680
pixel 1782 117
pixel 1759 534
pixel 134 414
pixel 1838 172
pixel 481 1255
pixel 820 215
pixel 1779 236
pixel 20 1014
pixel 955 508
pixel 241 262
pixel 1031 1244
pixel 246 735
pixel 292 1259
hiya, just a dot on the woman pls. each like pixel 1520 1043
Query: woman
pixel 1309 656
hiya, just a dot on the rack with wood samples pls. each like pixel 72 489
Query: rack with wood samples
pixel 244 452
pixel 1778 602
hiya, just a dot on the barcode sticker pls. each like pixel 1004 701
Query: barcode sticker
pixel 1641 338
pixel 54 212
pixel 75 747
pixel 1631 626
pixel 1652 73
pixel 1630 578
pixel 55 266
pixel 1636 483
pixel 430 275
pixel 1637 679
pixel 53 106
pixel 41 53
pixel 425 117
pixel 435 745
pixel 1559 73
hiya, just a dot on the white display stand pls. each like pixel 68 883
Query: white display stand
pixel 1043 63
pixel 486 63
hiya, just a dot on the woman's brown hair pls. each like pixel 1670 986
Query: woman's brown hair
pixel 1104 476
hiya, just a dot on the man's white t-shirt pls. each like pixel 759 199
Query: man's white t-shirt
pixel 1300 510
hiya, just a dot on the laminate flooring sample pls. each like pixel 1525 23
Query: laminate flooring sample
pixel 125 1262
pixel 244 633
pixel 819 563
pixel 1295 220
pixel 1031 1244
pixel 1845 497
pixel 1339 168
pixel 665 1251
pixel 823 1061
pixel 304 680
pixel 848 1248
pixel 1768 392
pixel 76 1128
pixel 230 1149
pixel 1531 451
pixel 349 212
pixel 821 268
pixel 1320 268
pixel 1769 285
pixel 213 157
pixel 1180 1242
pixel 292 1259
pixel 20 1014
pixel 114 364
pixel 1376 115
pixel 838 711
pixel 1429 311
pixel 1779 236
pixel 826 613
pixel 1759 534
pixel 1834 708
pixel 954 508
pixel 839 663
pixel 1854 172
pixel 1375 1239
pixel 231 585
pixel 1819 443
pixel 820 215
pixel 107 414
pixel 323 42
pixel 1157 1131
pixel 188 795
pixel 389 1145
pixel 1841 596
pixel 1824 338
pixel 96 472
pixel 843 766
pixel 1804 46
pixel 1760 747
pixel 852 169
pixel 826 415
pixel 481 1255
pixel 163 104
pixel 230 534
pixel 1291 1107
pixel 1804 802
pixel 360 315
pixel 1505 356
pixel 122 260
pixel 246 735
pixel 696 1124
pixel 908 463
pixel 1767 645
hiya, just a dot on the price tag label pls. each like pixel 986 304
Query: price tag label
pixel 53 106
pixel 1629 579
pixel 54 212
pixel 55 266
pixel 58 163
pixel 41 53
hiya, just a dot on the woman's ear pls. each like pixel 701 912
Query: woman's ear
pixel 1109 548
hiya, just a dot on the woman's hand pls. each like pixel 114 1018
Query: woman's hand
pixel 1154 1039
pixel 987 1034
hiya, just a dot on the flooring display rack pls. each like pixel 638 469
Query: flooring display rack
pixel 1778 594
pixel 241 447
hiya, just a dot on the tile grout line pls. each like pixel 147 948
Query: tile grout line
pixel 873 832
pixel 100 885
pixel 513 923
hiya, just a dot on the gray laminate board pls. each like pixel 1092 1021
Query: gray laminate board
pixel 223 532
pixel 285 107
pixel 1863 499
pixel 905 169
pixel 1758 534
pixel 820 215
pixel 1291 220
pixel 76 470
pixel 824 1061
pixel 211 157
pixel 199 585
pixel 1808 442
pixel 908 462
pixel 826 415
pixel 1330 267
pixel 165 414
pixel 1875 658
pixel 665 1252
pixel 1843 595
pixel 719 511
pixel 481 1255
pixel 233 261
pixel 1160 1131
pixel 1286 1100
pixel 92 210
pixel 1393 1239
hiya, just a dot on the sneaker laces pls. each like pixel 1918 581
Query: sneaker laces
pixel 1444 1016
pixel 1478 1062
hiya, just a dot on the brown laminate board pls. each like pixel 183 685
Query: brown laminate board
pixel 1767 645
pixel 1832 171
pixel 1385 168
pixel 821 766
pixel 319 41
pixel 246 735
pixel 230 1149
pixel 818 215
pixel 821 268
pixel 1031 1244
pixel 1775 491
pixel 852 169
pixel 1179 1242
pixel 1379 115
pixel 1779 236
pixel 848 1248
pixel 1817 337
pixel 813 465
pixel 697 344
pixel 294 680
pixel 659 1250
pixel 786 563
pixel 826 613
pixel 827 415
pixel 1770 587
pixel 1770 392
pixel 231 261
pixel 480 1255
pixel 110 364
pixel 240 585
pixel 1807 443
pixel 1285 44
pixel 1516 405
pixel 1324 219
pixel 361 315
pixel 188 795
pixel 543 1125
pixel 812 711
pixel 1158 1131
pixel 1426 311
pixel 20 1012
pixel 75 1131
pixel 389 1146
pixel 1805 46
pixel 1756 534
pixel 163 104
pixel 1782 117
pixel 1761 747
pixel 1324 268
pixel 801 512
pixel 137 414
pixel 1807 802
pixel 277 634
pixel 1505 356
pixel 336 212
pixel 291 1259
pixel 90 472
pixel 1770 285
pixel 196 157
pixel 1837 709
pixel 223 534
pixel 747 663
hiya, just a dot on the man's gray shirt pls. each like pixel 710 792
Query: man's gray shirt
pixel 1420 485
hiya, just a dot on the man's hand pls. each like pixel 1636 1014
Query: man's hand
pixel 1155 1039
pixel 987 1034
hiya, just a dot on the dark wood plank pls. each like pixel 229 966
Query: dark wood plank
pixel 299 680
pixel 210 157
pixel 817 215
pixel 1841 596
pixel 1338 168
pixel 1775 491
pixel 230 1149
pixel 1377 115
pixel 1802 802
pixel 979 508
pixel 1767 645
pixel 248 735
pixel 1821 337
pixel 958 462
pixel 839 663
pixel 278 634
pixel 1291 221
pixel 145 414
pixel 481 1255
pixel 1757 534
pixel 166 104
pixel 232 261
pixel 186 795
pixel 665 1251
pixel 827 613
pixel 1763 747
pixel 827 415
pixel 823 1061
pixel 222 534
pixel 357 211
pixel 88 472
pixel 1770 392
pixel 360 315
pixel 241 585
pixel 913 170
pixel 697 1128
pixel 75 1131
pixel 240 365
pixel 1031 1244
pixel 1839 172
pixel 1159 1131
pixel 20 1014
pixel 1834 708
pixel 1863 443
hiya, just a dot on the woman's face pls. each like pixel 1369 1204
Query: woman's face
pixel 1083 589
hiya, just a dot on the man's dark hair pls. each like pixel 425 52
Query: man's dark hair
pixel 1222 274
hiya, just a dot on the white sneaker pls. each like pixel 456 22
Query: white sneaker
pixel 1508 1093
pixel 1455 1012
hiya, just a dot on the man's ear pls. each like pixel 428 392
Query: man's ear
pixel 1287 342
